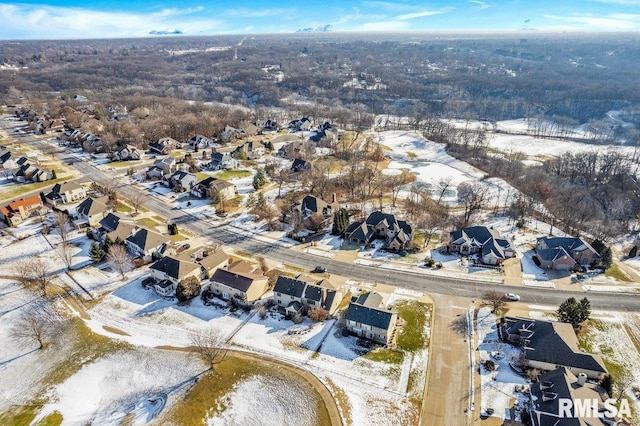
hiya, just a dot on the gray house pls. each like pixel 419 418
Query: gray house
pixel 487 243
pixel 366 319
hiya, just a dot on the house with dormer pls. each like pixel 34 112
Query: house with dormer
pixel 547 345
pixel 564 253
pixel 397 234
pixel 251 150
pixel 311 205
pixel 163 146
pixel 161 168
pixel 200 142
pixel 487 243
pixel 146 244
pixel 211 187
pixel 180 181
pixel 126 152
pixel 65 193
pixel 297 295
pixel 222 161
pixel 366 318
pixel 93 210
pixel 168 271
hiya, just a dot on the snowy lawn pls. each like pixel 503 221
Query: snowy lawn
pixel 497 388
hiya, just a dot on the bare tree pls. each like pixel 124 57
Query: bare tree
pixel 495 300
pixel 22 269
pixel 65 251
pixel 208 344
pixel 119 258
pixel 40 271
pixel 34 326
pixel 135 197
pixel 473 197
pixel 61 222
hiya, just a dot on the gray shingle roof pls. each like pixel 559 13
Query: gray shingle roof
pixel 554 343
pixel 233 279
pixel 174 268
pixel 289 286
pixel 374 317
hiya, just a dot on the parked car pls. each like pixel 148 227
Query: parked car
pixel 512 296
pixel 319 269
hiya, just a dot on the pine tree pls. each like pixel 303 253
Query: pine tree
pixel 606 258
pixel 258 180
pixel 574 312
pixel 96 253
pixel 340 221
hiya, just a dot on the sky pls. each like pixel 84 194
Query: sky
pixel 76 19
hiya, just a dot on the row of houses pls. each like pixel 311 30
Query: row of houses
pixel 557 253
pixel 21 169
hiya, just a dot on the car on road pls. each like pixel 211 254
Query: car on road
pixel 319 269
pixel 512 297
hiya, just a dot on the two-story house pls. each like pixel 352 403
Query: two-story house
pixel 243 287
pixel 65 193
pixel 211 187
pixel 18 210
pixel 93 210
pixel 397 234
pixel 146 244
pixel 169 271
pixel 161 168
pixel 295 296
pixel 312 205
pixel 180 181
pixel 365 318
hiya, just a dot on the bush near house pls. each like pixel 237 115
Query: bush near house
pixel 188 289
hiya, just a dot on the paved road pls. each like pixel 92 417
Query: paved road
pixel 438 284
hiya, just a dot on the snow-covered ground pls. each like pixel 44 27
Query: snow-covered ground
pixel 497 388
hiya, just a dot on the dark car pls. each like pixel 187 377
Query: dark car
pixel 319 269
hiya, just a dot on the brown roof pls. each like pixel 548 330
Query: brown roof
pixel 214 260
pixel 242 267
pixel 15 205
pixel 122 231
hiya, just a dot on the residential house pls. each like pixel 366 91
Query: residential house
pixel 163 146
pixel 297 295
pixel 300 165
pixel 547 345
pixel 222 161
pixel 161 168
pixel 51 125
pixel 552 252
pixel 299 125
pixel 200 142
pixel 146 243
pixel 365 318
pixel 18 210
pixel 65 193
pixel 397 234
pixel 115 228
pixel 231 133
pixel 212 262
pixel 181 181
pixel 126 152
pixel 547 392
pixel 251 150
pixel 267 125
pixel 243 287
pixel 27 172
pixel 93 210
pixel 211 187
pixel 292 149
pixel 311 205
pixel 42 175
pixel 169 271
pixel 482 241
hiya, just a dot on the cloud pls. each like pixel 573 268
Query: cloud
pixel 613 22
pixel 481 4
pixel 37 21
pixel 422 14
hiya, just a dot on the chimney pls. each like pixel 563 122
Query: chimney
pixel 582 379
pixel 333 200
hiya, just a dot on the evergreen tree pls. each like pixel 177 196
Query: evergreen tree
pixel 96 253
pixel 340 221
pixel 606 258
pixel 251 201
pixel 53 174
pixel 261 203
pixel 573 312
pixel 258 180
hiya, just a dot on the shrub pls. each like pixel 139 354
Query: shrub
pixel 489 365
pixel 262 312
pixel 188 289
pixel 429 262
pixel 318 314
pixel 297 318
